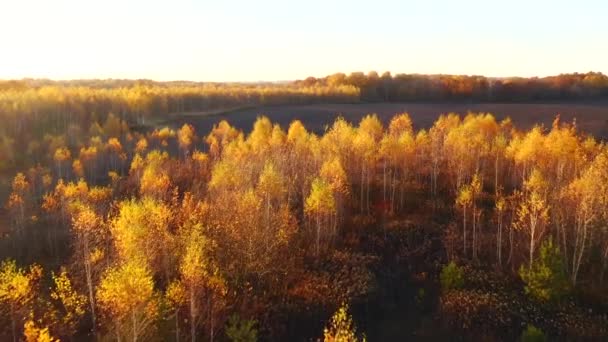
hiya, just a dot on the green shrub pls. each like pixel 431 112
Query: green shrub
pixel 546 280
pixel 241 330
pixel 421 296
pixel 451 277
pixel 532 334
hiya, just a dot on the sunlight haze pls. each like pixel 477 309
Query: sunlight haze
pixel 279 40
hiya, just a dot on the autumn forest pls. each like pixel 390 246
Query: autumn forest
pixel 118 225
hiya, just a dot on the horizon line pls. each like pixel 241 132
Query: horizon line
pixel 28 78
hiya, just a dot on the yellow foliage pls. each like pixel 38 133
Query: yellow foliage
pixel 163 135
pixel 14 201
pixel 140 230
pixel 226 176
pixel 321 199
pixel 18 289
pixel 271 183
pixel 126 294
pixel 259 138
pixel 95 256
pixel 114 145
pixel 401 124
pixel 333 173
pixel 278 137
pixel 200 157
pixel 297 134
pixel 341 327
pixel 20 183
pixel 62 154
pixel 71 302
pixel 47 180
pixel 465 196
pixel 141 146
pixel 136 164
pixel 85 220
pixel 154 182
pixel 221 135
pixel 185 136
pixel 32 333
pixel 371 126
pixel 113 126
pixel 176 294
pixel 99 195
pixel 77 168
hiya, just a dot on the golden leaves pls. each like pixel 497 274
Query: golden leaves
pixel 33 333
pixel 136 223
pixel 141 146
pixel 333 173
pixel 195 265
pixel 371 126
pixel 271 183
pixel 20 183
pixel 85 220
pixel 127 288
pixel 17 287
pixel 185 136
pixel 400 124
pixel 341 327
pixel 155 181
pixel 62 154
pixel 465 196
pixel 163 135
pixel 320 201
pixel 72 303
pixel 176 294
pixel 77 168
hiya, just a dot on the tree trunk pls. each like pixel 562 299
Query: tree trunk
pixel 384 181
pixel 581 250
pixel 564 248
pixel 496 176
pixel 87 268
pixel 474 231
pixel 192 317
pixel 177 325
pixel 367 192
pixel 13 323
pixel 318 233
pixel 394 186
pixel 134 322
pixel 604 264
pixel 211 321
pixel 531 246
pixel 464 230
pixel 362 184
pixel 510 243
pixel 499 241
pixel 268 211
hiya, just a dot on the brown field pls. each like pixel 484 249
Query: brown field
pixel 590 118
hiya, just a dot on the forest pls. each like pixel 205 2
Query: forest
pixel 34 110
pixel 417 87
pixel 114 226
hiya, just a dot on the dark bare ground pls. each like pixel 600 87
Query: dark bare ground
pixel 590 117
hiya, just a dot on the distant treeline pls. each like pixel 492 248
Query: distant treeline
pixel 31 109
pixel 415 87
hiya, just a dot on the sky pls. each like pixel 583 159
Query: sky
pixel 274 40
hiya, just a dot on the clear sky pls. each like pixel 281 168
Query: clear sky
pixel 251 40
